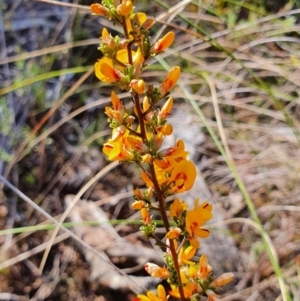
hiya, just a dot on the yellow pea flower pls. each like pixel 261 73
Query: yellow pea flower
pixel 186 254
pixel 106 72
pixel 161 295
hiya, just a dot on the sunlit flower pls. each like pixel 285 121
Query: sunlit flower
pixel 118 150
pixel 183 176
pixel 163 43
pixel 161 295
pixel 156 271
pixel 170 80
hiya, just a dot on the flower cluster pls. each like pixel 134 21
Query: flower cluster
pixel 137 136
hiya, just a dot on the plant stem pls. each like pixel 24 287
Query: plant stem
pixel 162 207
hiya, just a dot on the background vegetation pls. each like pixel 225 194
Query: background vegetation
pixel 240 87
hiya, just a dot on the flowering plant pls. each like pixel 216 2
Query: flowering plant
pixel 137 137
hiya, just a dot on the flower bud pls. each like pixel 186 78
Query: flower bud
pixel 173 233
pixel 170 81
pixel 117 104
pixel 166 109
pixel 149 193
pixel 211 295
pixel 148 23
pixel 223 279
pixel 137 205
pixel 146 158
pixel 163 43
pixel 99 9
pixel 124 8
pixel 118 132
pixel 138 194
pixel 138 85
pixel 137 144
pixel 146 216
pixel 156 271
pixel 167 129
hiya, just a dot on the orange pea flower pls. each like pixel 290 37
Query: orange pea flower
pixel 106 72
pixel 183 176
pixel 196 218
